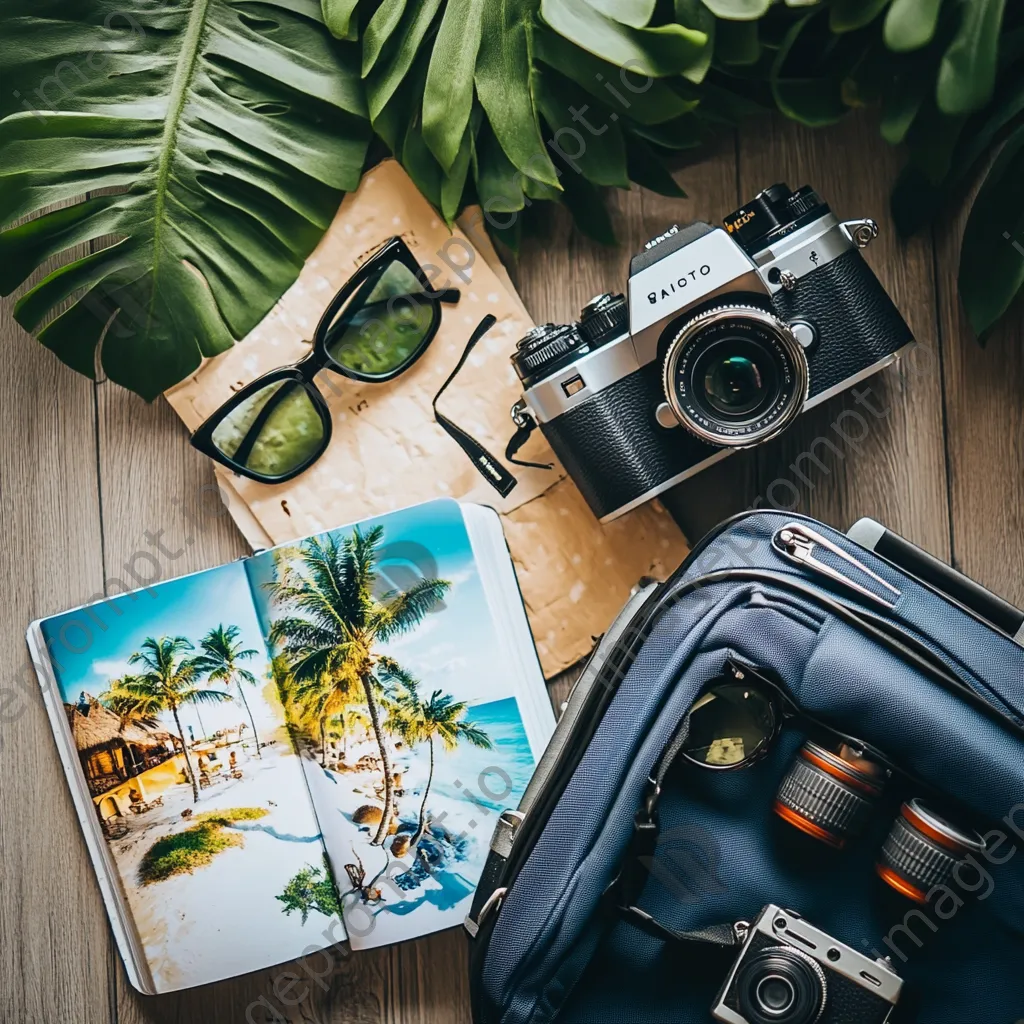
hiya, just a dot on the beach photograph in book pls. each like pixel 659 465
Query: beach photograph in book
pixel 173 712
pixel 403 710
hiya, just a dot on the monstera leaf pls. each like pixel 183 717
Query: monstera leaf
pixel 190 153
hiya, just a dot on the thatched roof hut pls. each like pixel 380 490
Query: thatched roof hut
pixel 95 727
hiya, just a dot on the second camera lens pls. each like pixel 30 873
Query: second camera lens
pixel 830 794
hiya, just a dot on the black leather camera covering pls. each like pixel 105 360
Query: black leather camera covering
pixel 615 450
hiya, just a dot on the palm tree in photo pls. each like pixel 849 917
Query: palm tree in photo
pixel 333 623
pixel 220 652
pixel 324 698
pixel 166 682
pixel 439 717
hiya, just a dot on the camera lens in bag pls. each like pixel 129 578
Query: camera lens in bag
pixel 781 986
pixel 923 850
pixel 830 795
pixel 735 376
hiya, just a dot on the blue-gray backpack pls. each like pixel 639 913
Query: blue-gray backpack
pixel 788 788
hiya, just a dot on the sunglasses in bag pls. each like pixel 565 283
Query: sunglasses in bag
pixel 376 327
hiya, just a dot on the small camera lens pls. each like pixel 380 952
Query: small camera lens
pixel 735 376
pixel 829 794
pixel 780 985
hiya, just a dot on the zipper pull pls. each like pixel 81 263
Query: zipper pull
pixel 797 543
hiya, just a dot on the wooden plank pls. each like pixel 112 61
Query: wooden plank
pixel 53 932
pixel 889 466
pixel 985 431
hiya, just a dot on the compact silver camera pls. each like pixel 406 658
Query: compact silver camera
pixel 727 336
pixel 790 972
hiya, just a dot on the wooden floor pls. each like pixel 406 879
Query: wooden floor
pixel 87 470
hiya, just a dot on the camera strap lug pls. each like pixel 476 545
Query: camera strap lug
pixel 860 232
pixel 526 425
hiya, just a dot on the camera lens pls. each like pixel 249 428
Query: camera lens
pixel 781 986
pixel 736 382
pixel 923 850
pixel 829 795
pixel 735 376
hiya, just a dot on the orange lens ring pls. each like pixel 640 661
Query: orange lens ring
pixel 797 820
pixel 901 885
pixel 932 833
pixel 855 781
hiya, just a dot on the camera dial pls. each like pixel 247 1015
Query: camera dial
pixel 735 376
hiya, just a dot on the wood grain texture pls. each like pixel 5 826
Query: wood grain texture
pixel 92 476
pixel 984 390
pixel 55 947
pixel 889 457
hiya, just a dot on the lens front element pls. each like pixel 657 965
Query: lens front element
pixel 735 376
pixel 780 985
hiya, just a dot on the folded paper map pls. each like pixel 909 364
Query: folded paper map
pixel 387 451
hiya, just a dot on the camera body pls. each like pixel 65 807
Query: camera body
pixel 727 336
pixel 790 972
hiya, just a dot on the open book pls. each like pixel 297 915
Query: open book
pixel 305 745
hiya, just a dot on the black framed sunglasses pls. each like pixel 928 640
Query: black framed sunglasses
pixel 374 329
pixel 739 715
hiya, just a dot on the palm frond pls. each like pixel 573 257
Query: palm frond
pixel 407 609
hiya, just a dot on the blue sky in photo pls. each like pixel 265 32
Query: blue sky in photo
pixel 88 656
pixel 454 648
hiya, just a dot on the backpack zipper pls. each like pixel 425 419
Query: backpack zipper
pixel 797 543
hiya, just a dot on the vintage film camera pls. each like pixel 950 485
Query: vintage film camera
pixel 790 972
pixel 727 336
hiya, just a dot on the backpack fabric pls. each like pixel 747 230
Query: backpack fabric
pixel 917 676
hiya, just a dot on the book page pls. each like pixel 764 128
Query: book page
pixel 409 723
pixel 171 709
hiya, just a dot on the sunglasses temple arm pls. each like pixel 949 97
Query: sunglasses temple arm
pixel 450 296
pixel 489 467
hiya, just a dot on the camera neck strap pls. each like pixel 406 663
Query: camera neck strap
pixel 487 465
pixel 622 895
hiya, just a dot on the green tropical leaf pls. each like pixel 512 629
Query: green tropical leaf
pixel 737 42
pixel 646 169
pixel 911 24
pixel 383 23
pixel 340 18
pixel 448 96
pixel 967 74
pixel 992 257
pixel 738 10
pixel 814 101
pixel 505 86
pixel 389 75
pixel 850 15
pixel 641 98
pixel 499 184
pixel 228 134
pixel 693 14
pixel 586 135
pixel 635 13
pixel 454 183
pixel 666 50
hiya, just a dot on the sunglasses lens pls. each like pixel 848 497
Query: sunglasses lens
pixel 384 326
pixel 273 432
pixel 729 724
